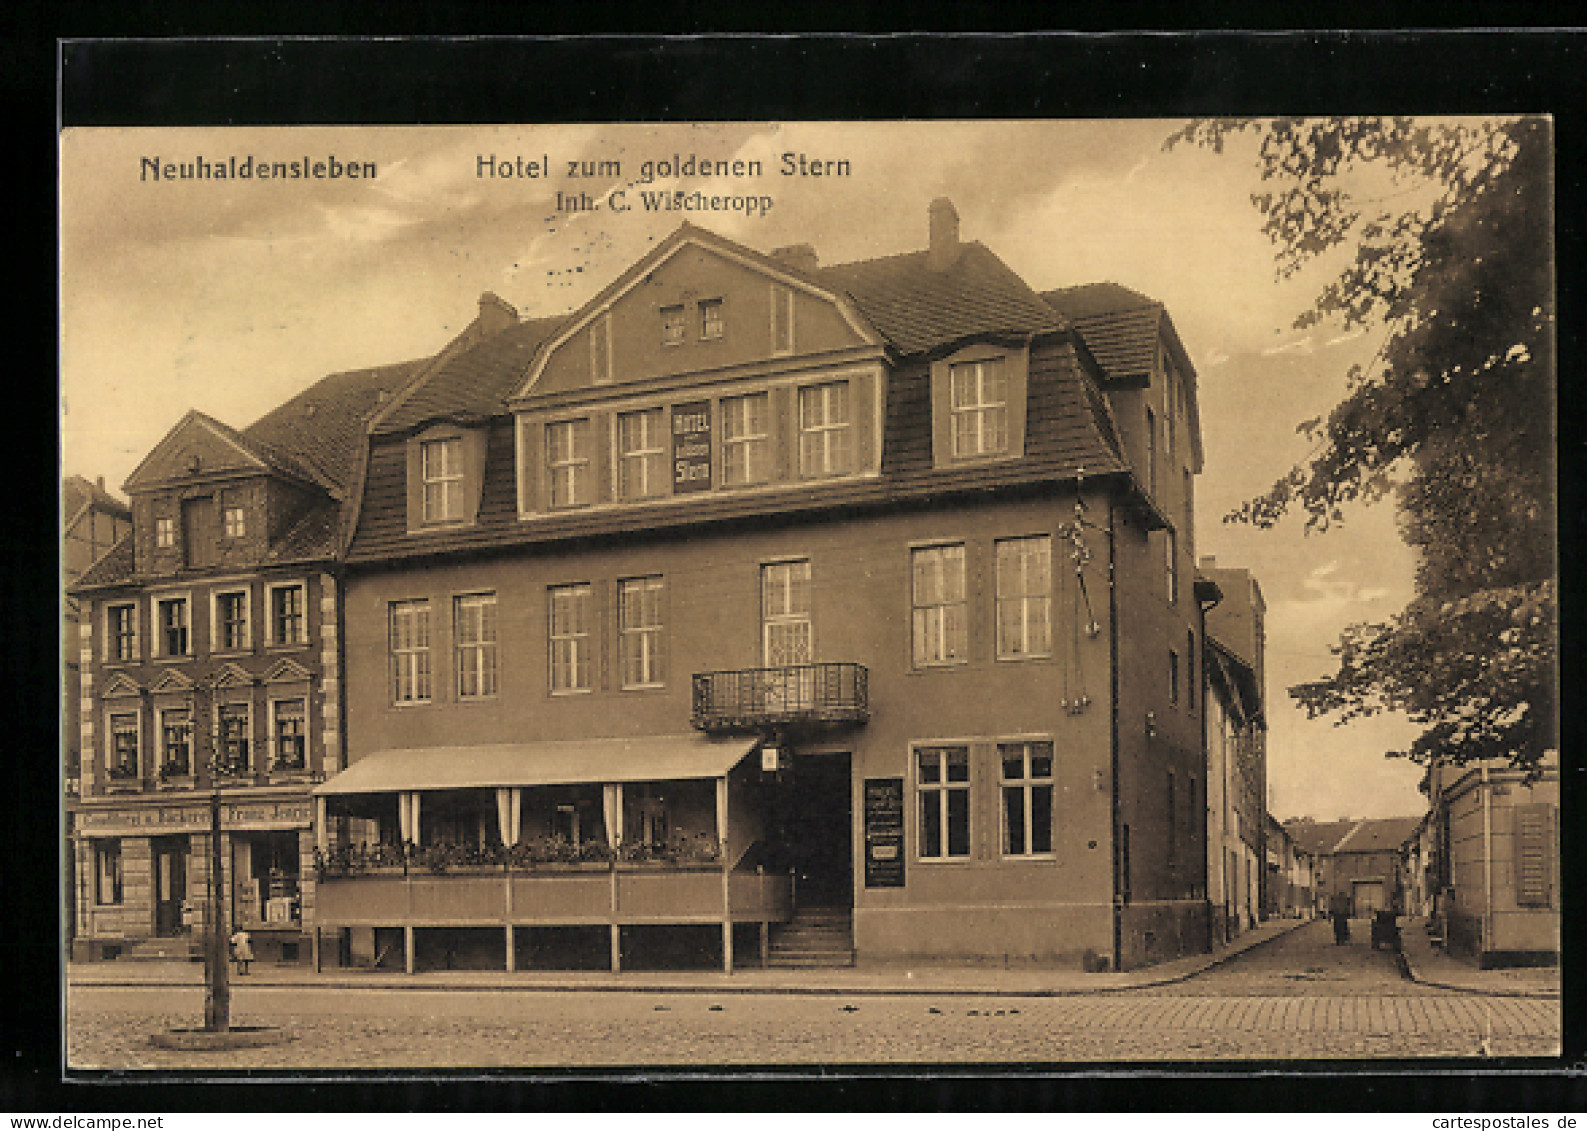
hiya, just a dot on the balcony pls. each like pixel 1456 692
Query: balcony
pixel 799 696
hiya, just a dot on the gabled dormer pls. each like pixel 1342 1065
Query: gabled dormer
pixel 208 498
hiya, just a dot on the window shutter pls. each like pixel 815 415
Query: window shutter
pixel 1534 857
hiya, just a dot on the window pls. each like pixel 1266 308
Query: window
pixel 1171 565
pixel 570 638
pixel 642 455
pixel 1171 402
pixel 639 631
pixel 672 325
pixel 980 409
pixel 782 316
pixel 236 522
pixel 824 429
pixel 107 872
pixel 474 629
pixel 288 734
pixel 121 633
pixel 165 532
pixel 410 651
pixel 286 614
pixel 1173 676
pixel 1191 670
pixel 710 319
pixel 124 761
pixel 1173 820
pixel 1024 597
pixel 171 615
pixel 1189 486
pixel 746 446
pixel 1151 453
pixel 176 742
pixel 235 726
pixel 1027 786
pixel 441 471
pixel 231 621
pixel 785 612
pixel 941 628
pixel 568 458
pixel 942 781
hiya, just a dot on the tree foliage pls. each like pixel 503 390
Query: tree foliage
pixel 1451 227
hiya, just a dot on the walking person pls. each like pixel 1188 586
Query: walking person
pixel 1339 912
pixel 241 949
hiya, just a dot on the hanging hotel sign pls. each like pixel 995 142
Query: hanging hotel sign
pixel 691 447
pixel 156 820
pixel 884 832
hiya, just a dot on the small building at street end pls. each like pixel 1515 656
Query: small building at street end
pixel 1361 859
pixel 210 669
pixel 762 609
pixel 1486 861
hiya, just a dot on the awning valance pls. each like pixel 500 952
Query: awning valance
pixel 593 761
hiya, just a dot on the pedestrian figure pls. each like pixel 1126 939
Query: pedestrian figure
pixel 1339 912
pixel 241 949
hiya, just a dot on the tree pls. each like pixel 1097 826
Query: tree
pixel 1453 418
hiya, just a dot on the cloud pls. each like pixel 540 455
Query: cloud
pixel 1302 345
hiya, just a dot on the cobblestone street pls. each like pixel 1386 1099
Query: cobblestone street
pixel 1296 998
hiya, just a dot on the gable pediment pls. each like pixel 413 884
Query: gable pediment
pixel 197 447
pixel 288 671
pixel 173 683
pixel 231 676
pixel 697 302
pixel 121 686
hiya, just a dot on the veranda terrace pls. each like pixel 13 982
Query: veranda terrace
pixel 598 833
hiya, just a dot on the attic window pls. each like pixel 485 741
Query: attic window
pixel 442 463
pixel 710 318
pixel 980 409
pixel 672 325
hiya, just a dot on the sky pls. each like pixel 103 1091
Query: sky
pixel 231 295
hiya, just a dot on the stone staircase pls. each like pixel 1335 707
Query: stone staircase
pixel 181 948
pixel 815 937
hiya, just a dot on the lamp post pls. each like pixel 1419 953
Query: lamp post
pixel 217 983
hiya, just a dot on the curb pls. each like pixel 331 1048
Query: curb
pixel 741 988
pixel 1410 971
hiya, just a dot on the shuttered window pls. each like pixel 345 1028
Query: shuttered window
pixel 1534 855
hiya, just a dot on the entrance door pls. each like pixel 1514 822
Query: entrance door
pixel 816 829
pixel 1368 897
pixel 170 884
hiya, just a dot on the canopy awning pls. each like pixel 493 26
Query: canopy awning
pixel 592 761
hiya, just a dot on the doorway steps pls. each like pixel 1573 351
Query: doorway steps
pixel 816 937
pixel 180 949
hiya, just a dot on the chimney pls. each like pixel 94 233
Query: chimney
pixel 943 251
pixel 799 256
pixel 99 481
pixel 495 315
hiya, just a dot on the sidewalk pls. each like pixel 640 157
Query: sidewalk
pixel 935 978
pixel 1431 966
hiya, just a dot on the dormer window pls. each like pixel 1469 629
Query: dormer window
pixel 568 461
pixel 672 321
pixel 980 409
pixel 710 319
pixel 236 522
pixel 441 462
pixel 642 462
pixel 165 532
pixel 824 429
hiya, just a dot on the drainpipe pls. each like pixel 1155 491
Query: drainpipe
pixel 1487 861
pixel 1113 752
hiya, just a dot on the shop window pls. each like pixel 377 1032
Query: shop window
pixel 641 455
pixel 711 324
pixel 410 651
pixel 570 638
pixel 441 470
pixel 941 624
pixel 289 734
pixel 746 442
pixel 107 872
pixel 231 621
pixel 785 614
pixel 1024 597
pixel 176 742
pixel 474 627
pixel 568 462
pixel 824 441
pixel 980 409
pixel 672 320
pixel 287 624
pixel 1026 783
pixel 121 633
pixel 942 783
pixel 172 625
pixel 639 631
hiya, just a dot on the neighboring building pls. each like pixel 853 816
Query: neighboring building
pixel 1492 861
pixel 1236 815
pixel 92 521
pixel 1289 875
pixel 211 665
pixel 1361 859
pixel 851 601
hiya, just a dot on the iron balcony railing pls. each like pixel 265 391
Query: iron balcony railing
pixel 797 695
